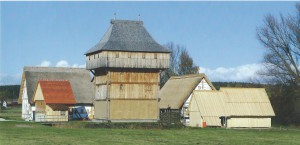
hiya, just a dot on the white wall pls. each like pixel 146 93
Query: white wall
pixel 249 122
pixel 26 107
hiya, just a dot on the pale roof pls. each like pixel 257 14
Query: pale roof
pixel 79 78
pixel 250 101
pixel 210 104
pixel 126 35
pixel 178 88
pixel 232 102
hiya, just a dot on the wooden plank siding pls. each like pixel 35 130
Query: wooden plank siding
pixel 126 94
pixel 40 106
pixel 127 109
pixel 119 59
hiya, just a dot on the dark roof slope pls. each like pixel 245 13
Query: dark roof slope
pixel 79 78
pixel 125 35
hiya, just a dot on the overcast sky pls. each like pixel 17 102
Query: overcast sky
pixel 220 36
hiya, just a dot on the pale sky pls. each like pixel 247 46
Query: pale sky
pixel 220 36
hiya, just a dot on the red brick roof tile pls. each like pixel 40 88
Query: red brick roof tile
pixel 57 92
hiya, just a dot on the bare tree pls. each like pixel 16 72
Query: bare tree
pixel 186 64
pixel 181 63
pixel 281 40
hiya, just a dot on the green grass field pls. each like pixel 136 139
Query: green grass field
pixel 20 132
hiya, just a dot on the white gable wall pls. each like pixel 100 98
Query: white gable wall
pixel 26 107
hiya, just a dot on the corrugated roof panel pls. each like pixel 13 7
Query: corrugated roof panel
pixel 232 102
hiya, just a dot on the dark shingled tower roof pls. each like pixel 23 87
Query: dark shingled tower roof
pixel 125 35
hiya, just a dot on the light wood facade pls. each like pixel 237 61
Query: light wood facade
pixel 120 59
pixel 126 94
pixel 46 113
pixel 126 64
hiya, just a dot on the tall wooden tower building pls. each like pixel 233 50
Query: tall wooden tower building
pixel 126 64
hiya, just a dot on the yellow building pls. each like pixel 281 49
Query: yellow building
pixel 52 100
pixel 231 107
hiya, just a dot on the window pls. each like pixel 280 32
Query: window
pixel 148 88
pixel 155 55
pixel 117 55
pixel 89 57
pixel 129 55
pixel 143 56
pixel 98 55
pixel 62 113
pixel 94 56
pixel 121 87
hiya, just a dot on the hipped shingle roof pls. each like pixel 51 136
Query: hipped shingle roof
pixel 125 35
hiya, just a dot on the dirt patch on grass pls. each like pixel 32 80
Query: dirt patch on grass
pixel 23 126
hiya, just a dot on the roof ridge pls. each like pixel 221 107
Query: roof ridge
pixel 52 69
pixel 188 76
pixel 114 21
pixel 52 80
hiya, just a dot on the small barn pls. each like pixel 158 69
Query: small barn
pixel 175 95
pixel 232 108
pixel 126 64
pixel 52 99
pixel 79 78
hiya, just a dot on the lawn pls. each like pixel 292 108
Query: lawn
pixel 20 132
pixel 11 113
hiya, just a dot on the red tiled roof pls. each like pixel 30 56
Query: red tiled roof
pixel 57 92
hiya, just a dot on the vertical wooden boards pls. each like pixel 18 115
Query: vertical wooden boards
pixel 100 110
pixel 100 92
pixel 40 106
pixel 133 109
pixel 120 59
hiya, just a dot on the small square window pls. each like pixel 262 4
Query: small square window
pixel 121 87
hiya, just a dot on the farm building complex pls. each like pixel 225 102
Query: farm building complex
pixel 126 64
pixel 78 78
pixel 121 83
pixel 52 100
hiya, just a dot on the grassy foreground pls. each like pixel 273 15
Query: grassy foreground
pixel 14 132
pixel 20 132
